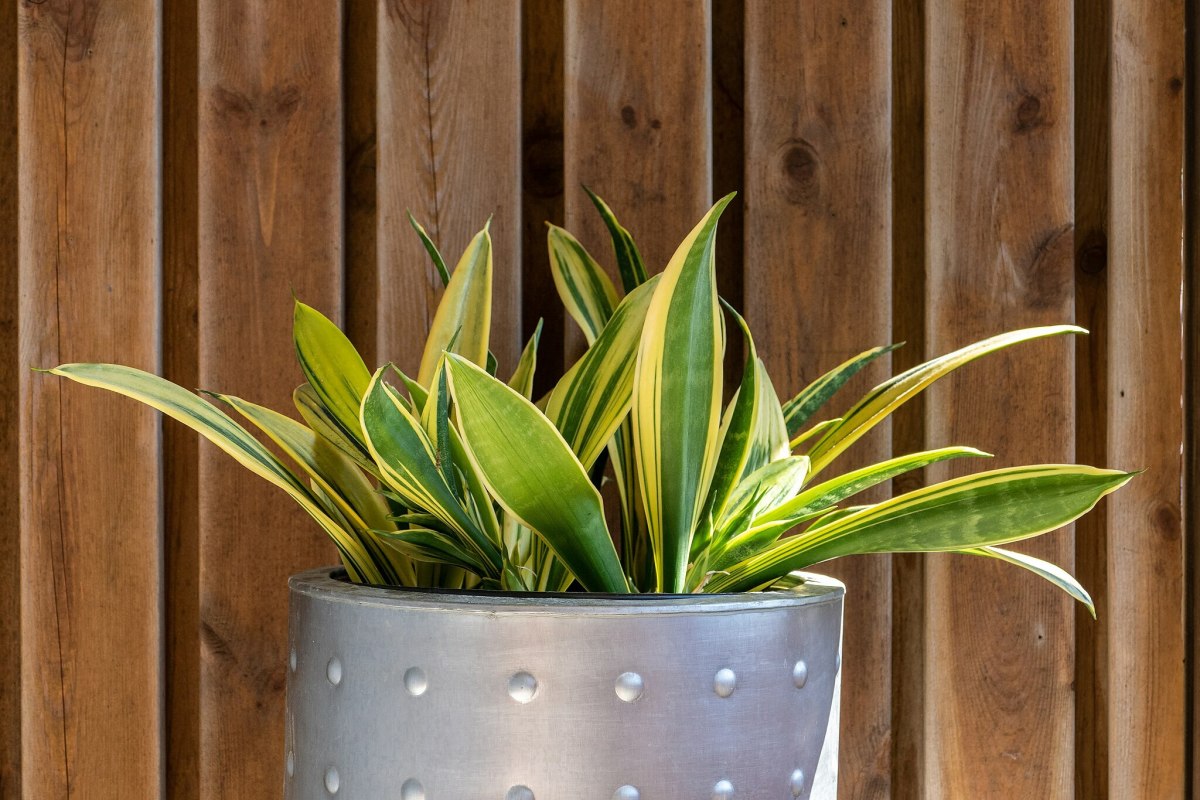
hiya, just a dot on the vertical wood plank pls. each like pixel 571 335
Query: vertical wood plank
pixel 818 253
pixel 270 223
pixel 541 179
pixel 1191 277
pixel 10 452
pixel 1147 706
pixel 908 424
pixel 637 128
pixel 998 695
pixel 91 580
pixel 1092 21
pixel 449 128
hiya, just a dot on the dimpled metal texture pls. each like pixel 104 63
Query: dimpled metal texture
pixel 464 737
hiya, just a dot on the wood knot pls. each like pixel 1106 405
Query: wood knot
pixel 801 183
pixel 1175 84
pixel 1029 114
pixel 1166 520
pixel 629 116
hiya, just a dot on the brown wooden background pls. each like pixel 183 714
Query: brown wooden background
pixel 923 170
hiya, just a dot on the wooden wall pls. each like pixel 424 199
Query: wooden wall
pixel 931 171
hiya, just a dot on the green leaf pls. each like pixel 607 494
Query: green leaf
pixel 832 492
pixel 629 260
pixel 332 366
pixel 586 291
pixel 335 477
pixel 677 399
pixel 464 315
pixel 220 429
pixel 800 408
pixel 590 401
pixel 890 395
pixel 317 417
pixel 814 432
pixel 522 377
pixel 534 476
pixel 1051 572
pixel 434 547
pixel 432 249
pixel 753 432
pixel 407 465
pixel 988 508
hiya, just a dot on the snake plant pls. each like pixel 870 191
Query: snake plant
pixel 457 478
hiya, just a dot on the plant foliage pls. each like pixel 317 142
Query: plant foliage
pixel 457 479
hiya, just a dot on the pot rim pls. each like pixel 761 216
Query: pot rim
pixel 330 584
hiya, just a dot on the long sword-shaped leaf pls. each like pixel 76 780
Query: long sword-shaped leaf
pixel 1051 572
pixel 988 508
pixel 753 432
pixel 534 475
pixel 830 493
pixel 586 291
pixel 464 315
pixel 407 464
pixel 522 377
pixel 590 401
pixel 890 395
pixel 677 399
pixel 434 254
pixel 800 408
pixel 221 429
pixel 317 417
pixel 337 479
pixel 334 369
pixel 434 547
pixel 629 260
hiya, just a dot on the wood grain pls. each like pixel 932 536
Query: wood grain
pixel 637 129
pixel 1147 701
pixel 449 137
pixel 91 577
pixel 1092 21
pixel 541 180
pixel 10 405
pixel 818 255
pixel 180 363
pixel 908 423
pixel 270 223
pixel 999 648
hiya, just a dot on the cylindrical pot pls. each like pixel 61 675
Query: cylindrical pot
pixel 426 695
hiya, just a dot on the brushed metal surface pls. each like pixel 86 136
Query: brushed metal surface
pixel 460 696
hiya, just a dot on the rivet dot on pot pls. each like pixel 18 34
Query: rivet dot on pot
pixel 796 782
pixel 800 674
pixel 412 790
pixel 630 686
pixel 722 791
pixel 333 781
pixel 519 793
pixel 333 671
pixel 415 682
pixel 522 687
pixel 725 682
pixel 627 792
pixel 291 763
pixel 292 660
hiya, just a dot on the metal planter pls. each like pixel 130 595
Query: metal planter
pixel 464 696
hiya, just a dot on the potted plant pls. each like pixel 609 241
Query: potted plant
pixel 490 633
